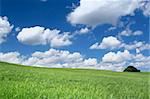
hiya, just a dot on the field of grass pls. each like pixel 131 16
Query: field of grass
pixel 23 82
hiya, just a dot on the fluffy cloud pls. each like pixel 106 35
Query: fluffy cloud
pixel 17 29
pixel 83 31
pixel 147 9
pixel 117 57
pixel 93 12
pixel 90 62
pixel 51 58
pixel 122 59
pixel 57 56
pixel 112 66
pixel 62 58
pixel 113 43
pixel 139 46
pixel 145 6
pixel 107 42
pixel 5 28
pixel 141 61
pixel 39 35
pixel 12 57
pixel 128 32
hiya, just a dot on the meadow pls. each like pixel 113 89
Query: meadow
pixel 26 82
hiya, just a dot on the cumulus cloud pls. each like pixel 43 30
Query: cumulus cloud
pixel 147 9
pixel 5 28
pixel 112 28
pixel 59 58
pixel 117 57
pixel 90 62
pixel 125 58
pixel 128 32
pixel 145 6
pixel 141 61
pixel 139 46
pixel 112 66
pixel 65 59
pixel 111 42
pixel 83 31
pixel 107 42
pixel 39 35
pixel 17 29
pixel 50 58
pixel 12 57
pixel 93 12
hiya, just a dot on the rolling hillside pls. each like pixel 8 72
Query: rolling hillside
pixel 23 82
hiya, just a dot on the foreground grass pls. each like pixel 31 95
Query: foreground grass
pixel 22 82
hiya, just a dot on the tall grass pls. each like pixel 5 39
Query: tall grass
pixel 22 82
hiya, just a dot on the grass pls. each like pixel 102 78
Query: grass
pixel 23 82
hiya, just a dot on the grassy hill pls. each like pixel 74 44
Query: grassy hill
pixel 23 82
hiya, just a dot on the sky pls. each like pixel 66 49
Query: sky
pixel 97 34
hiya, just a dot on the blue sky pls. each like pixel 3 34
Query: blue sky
pixel 69 16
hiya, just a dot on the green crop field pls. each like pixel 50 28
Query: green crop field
pixel 23 82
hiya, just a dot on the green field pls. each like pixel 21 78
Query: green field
pixel 23 82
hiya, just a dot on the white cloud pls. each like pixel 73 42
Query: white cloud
pixel 62 58
pixel 111 42
pixel 117 57
pixel 128 32
pixel 141 61
pixel 111 66
pixel 83 31
pixel 5 28
pixel 145 6
pixel 50 58
pixel 17 29
pixel 147 9
pixel 57 55
pixel 39 35
pixel 33 36
pixel 123 59
pixel 139 46
pixel 61 40
pixel 107 42
pixel 137 50
pixel 137 33
pixel 12 57
pixel 90 62
pixel 112 28
pixel 96 12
